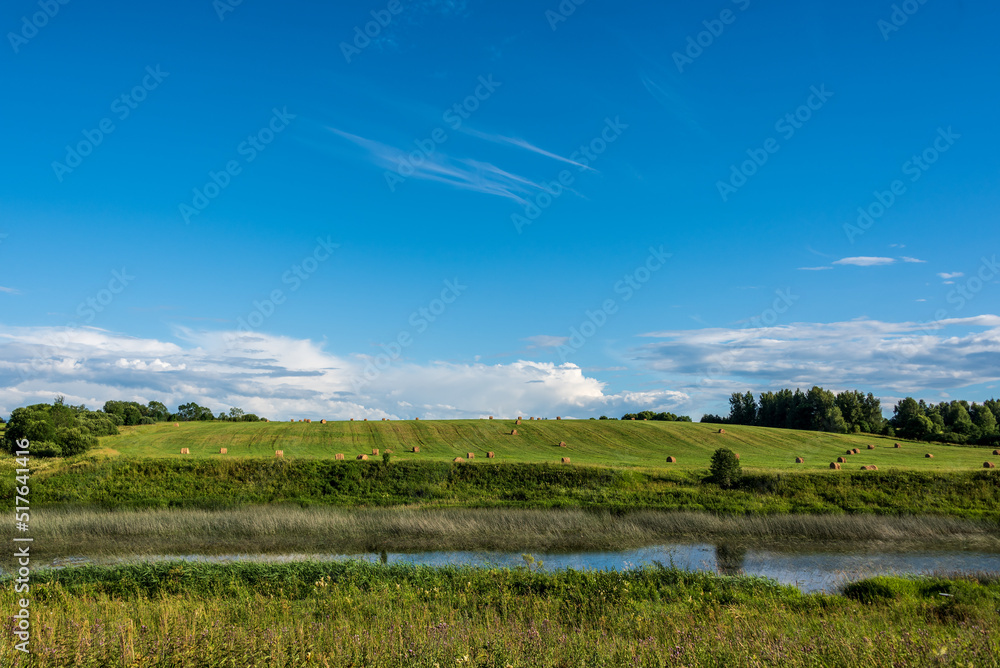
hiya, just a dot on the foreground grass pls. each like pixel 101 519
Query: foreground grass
pixel 596 442
pixel 291 529
pixel 356 614
pixel 139 483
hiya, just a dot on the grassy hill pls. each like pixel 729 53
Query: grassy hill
pixel 593 442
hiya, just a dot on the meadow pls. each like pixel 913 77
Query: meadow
pixel 356 614
pixel 596 442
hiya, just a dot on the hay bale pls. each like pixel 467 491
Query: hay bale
pixel 375 451
pixel 513 432
pixel 721 431
pixel 988 465
pixel 871 447
pixel 842 460
pixel 185 451
pixel 458 459
pixel 562 444
pixel 416 419
pixel 737 455
pixel 223 451
pixel 996 452
pixel 489 455
pixel 415 448
pixel 834 465
pixel 565 460
pixel 308 420
pixel 929 456
pixel 279 453
pixel 364 457
pixel 470 455
pixel 671 460
pixel 800 460
pixel 870 467
pixel 352 419
pixel 339 455
pixel 897 446
pixel 558 418
pixel 322 421
pixel 491 417
pixel 518 421
pixel 857 451
pixel 366 419
pixel 177 424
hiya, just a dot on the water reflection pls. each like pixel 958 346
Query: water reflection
pixel 810 568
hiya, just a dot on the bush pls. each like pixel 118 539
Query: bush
pixel 725 468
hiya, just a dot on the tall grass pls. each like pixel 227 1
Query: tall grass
pixel 141 483
pixel 355 614
pixel 268 529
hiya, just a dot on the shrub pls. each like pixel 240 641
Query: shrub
pixel 725 468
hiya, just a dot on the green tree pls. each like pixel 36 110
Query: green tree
pixel 725 468
pixel 984 418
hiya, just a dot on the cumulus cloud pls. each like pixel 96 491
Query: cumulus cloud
pixel 281 377
pixel 906 357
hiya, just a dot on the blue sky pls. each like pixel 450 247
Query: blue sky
pixel 244 205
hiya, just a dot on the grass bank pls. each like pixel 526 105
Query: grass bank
pixel 291 529
pixel 339 614
pixel 206 483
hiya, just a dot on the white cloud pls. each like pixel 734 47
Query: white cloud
pixel 912 259
pixel 814 268
pixel 904 357
pixel 281 377
pixel 10 291
pixel 546 341
pixel 954 274
pixel 864 261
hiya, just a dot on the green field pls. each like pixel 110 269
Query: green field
pixel 596 442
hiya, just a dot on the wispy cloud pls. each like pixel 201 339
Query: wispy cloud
pixel 814 268
pixel 546 341
pixel 865 261
pixel 521 143
pixel 10 291
pixel 913 260
pixel 462 173
pixel 955 274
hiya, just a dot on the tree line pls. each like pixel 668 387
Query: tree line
pixel 855 412
pixel 62 430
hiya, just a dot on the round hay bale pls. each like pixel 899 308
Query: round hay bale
pixel 799 460
pixel 363 457
pixel 671 460
pixel 177 424
pixel 872 467
pixel 513 432
pixel 375 451
pixel 308 420
pixel 565 460
pixel 850 452
pixel 929 456
pixel 834 465
pixel 988 465
pixel 841 460
pixel 223 451
pixel 185 451
pixel 897 445
pixel 279 453
pixel 996 452
pixel 490 455
pixel 457 459
pixel 856 451
pixel 722 431
pixel 562 444
pixel 339 455
pixel 491 417
pixel 416 419
pixel 470 455
pixel 871 447
pixel 322 421
pixel 558 418
pixel 415 448
pixel 737 455
pixel 518 421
